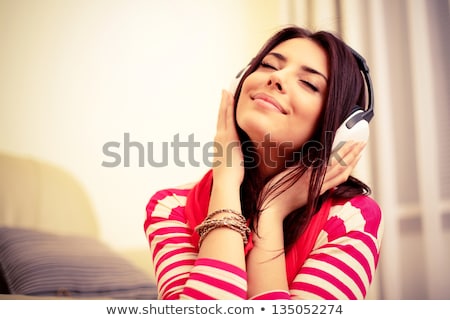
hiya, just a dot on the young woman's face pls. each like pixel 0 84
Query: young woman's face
pixel 280 102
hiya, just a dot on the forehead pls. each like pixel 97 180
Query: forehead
pixel 304 52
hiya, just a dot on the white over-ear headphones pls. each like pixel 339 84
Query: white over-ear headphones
pixel 356 126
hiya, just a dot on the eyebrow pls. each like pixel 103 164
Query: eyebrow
pixel 280 57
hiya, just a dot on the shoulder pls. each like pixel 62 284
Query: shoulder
pixel 358 213
pixel 362 205
pixel 168 199
pixel 170 192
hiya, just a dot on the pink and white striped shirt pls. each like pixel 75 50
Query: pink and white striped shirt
pixel 341 265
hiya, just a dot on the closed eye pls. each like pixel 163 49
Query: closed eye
pixel 267 65
pixel 310 85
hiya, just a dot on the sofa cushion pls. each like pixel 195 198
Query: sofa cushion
pixel 40 263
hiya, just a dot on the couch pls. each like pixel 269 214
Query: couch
pixel 50 244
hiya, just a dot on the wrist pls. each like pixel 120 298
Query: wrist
pixel 271 217
pixel 269 231
pixel 224 195
pixel 226 181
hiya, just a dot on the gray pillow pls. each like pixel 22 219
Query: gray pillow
pixel 44 264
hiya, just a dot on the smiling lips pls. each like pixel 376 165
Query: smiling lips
pixel 267 101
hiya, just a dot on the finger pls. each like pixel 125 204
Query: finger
pixel 229 110
pixel 339 171
pixel 335 178
pixel 222 110
pixel 226 111
pixel 346 153
pixel 338 154
pixel 347 162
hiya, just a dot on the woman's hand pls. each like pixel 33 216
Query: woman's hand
pixel 342 163
pixel 228 159
pixel 225 244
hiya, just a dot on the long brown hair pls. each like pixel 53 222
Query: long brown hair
pixel 346 89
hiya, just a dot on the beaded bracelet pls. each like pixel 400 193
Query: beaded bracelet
pixel 225 221
pixel 228 224
pixel 233 223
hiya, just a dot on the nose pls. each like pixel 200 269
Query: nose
pixel 275 82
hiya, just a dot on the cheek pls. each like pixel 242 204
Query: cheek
pixel 306 118
pixel 308 109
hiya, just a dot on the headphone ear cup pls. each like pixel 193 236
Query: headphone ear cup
pixel 354 128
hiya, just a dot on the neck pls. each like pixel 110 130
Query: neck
pixel 272 161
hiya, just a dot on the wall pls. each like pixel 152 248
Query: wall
pixel 79 76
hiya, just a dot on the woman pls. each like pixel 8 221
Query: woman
pixel 278 216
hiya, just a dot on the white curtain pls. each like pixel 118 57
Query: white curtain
pixel 406 44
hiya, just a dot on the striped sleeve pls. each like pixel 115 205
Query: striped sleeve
pixel 179 274
pixel 344 259
pixel 341 265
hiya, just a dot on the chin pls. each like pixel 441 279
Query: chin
pixel 254 127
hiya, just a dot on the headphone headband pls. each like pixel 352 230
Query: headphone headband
pixel 368 113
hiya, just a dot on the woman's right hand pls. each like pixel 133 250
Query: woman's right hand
pixel 225 244
pixel 341 165
pixel 228 159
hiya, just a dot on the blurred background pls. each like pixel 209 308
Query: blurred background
pixel 102 88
